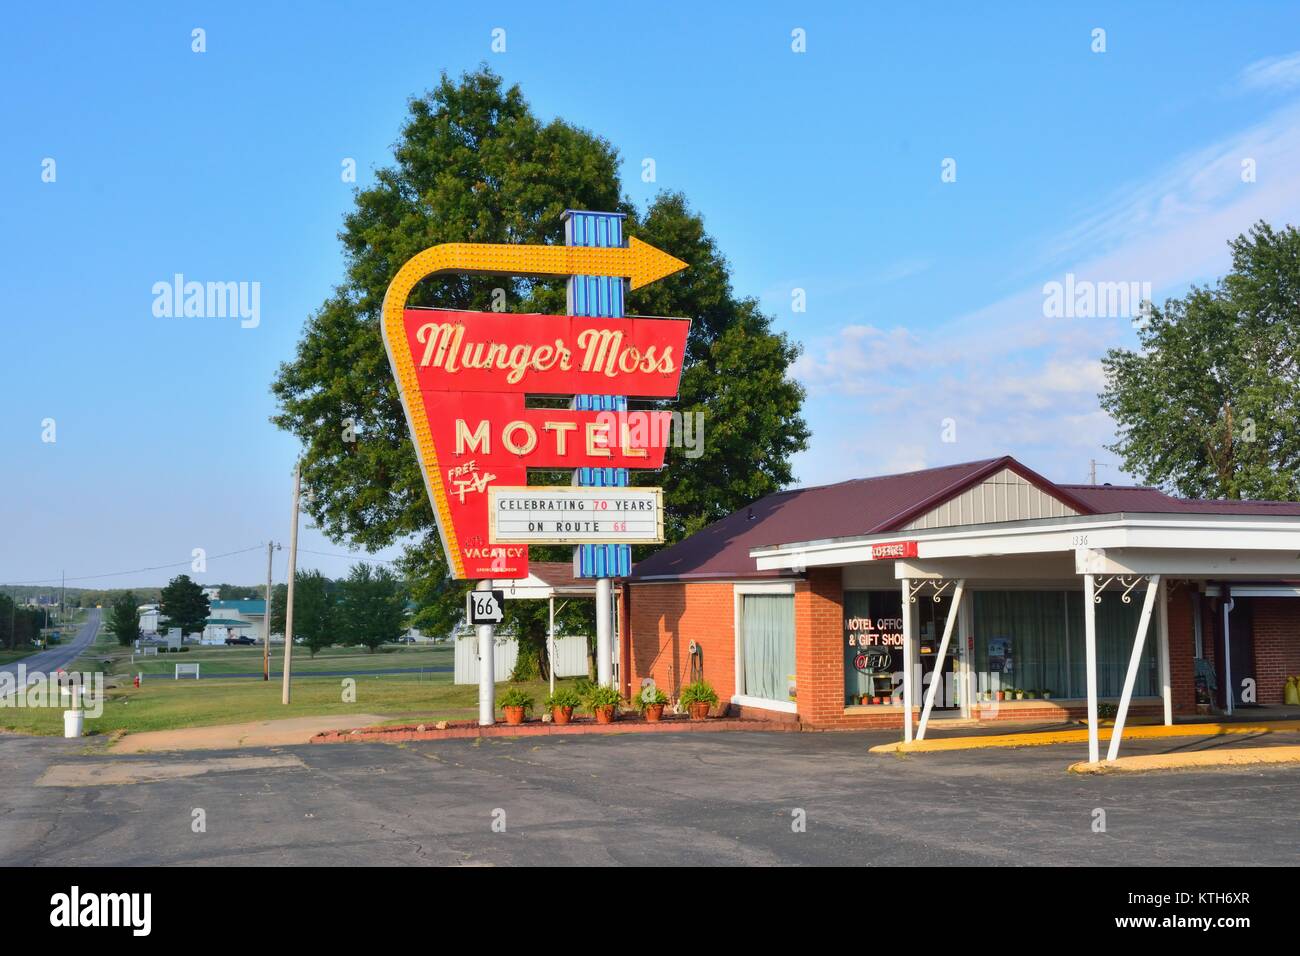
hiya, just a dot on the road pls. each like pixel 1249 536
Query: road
pixel 680 800
pixel 44 662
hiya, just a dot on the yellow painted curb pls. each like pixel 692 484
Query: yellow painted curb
pixel 1046 737
pixel 1240 757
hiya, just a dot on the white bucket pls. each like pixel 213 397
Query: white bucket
pixel 73 721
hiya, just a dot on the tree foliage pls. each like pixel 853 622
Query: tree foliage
pixel 315 610
pixel 1207 406
pixel 372 609
pixel 124 619
pixel 184 605
pixel 473 163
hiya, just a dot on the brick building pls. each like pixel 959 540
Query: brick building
pixel 829 605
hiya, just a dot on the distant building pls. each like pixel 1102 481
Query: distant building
pixel 228 619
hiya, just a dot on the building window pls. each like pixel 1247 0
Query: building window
pixel 767 646
pixel 1034 641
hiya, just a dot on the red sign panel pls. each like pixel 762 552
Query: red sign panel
pixel 545 354
pixel 888 550
pixel 464 378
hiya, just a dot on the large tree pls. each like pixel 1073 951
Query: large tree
pixel 124 618
pixel 315 610
pixel 473 163
pixel 1209 405
pixel 372 607
pixel 184 605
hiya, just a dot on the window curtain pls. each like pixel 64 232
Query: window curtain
pixel 1116 627
pixel 859 606
pixel 767 632
pixel 1029 627
pixel 1042 632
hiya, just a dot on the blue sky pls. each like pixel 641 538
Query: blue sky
pixel 817 170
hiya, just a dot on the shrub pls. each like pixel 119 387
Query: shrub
pixel 700 692
pixel 516 697
pixel 649 695
pixel 598 697
pixel 564 697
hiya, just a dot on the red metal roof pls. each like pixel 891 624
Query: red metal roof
pixel 885 503
pixel 1134 499
pixel 856 507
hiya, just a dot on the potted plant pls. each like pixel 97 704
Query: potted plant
pixel 876 700
pixel 515 703
pixel 561 704
pixel 603 703
pixel 999 695
pixel 1047 693
pixel 650 704
pixel 1020 694
pixel 697 698
pixel 1031 695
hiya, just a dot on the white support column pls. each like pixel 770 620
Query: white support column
pixel 1162 652
pixel 550 642
pixel 487 689
pixel 1134 662
pixel 604 639
pixel 1228 696
pixel 967 675
pixel 909 639
pixel 936 675
pixel 1090 662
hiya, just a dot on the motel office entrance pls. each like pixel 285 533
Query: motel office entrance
pixel 1025 640
pixel 873 647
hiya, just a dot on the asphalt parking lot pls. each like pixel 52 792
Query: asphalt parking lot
pixel 606 800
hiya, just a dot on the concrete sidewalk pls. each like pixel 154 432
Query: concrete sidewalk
pixel 263 733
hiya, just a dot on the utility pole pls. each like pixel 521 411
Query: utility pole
pixel 271 547
pixel 293 571
pixel 1092 470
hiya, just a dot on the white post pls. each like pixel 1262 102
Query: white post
pixel 604 641
pixel 550 641
pixel 1228 605
pixel 1134 661
pixel 936 675
pixel 908 641
pixel 487 689
pixel 288 599
pixel 1162 653
pixel 1090 661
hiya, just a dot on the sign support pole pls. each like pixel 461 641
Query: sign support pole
pixel 604 642
pixel 487 704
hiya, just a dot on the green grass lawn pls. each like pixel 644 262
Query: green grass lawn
pixel 236 660
pixel 8 657
pixel 166 704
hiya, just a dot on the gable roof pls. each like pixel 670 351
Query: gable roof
pixel 860 506
pixel 885 503
pixel 1137 499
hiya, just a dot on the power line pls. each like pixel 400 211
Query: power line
pixel 118 574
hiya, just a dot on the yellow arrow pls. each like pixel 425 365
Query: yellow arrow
pixel 639 262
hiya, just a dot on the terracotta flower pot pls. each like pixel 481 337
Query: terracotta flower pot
pixel 562 715
pixel 875 700
pixel 605 715
pixel 514 715
pixel 699 710
pixel 1000 695
pixel 654 713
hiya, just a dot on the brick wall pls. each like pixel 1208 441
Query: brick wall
pixel 665 618
pixel 818 648
pixel 1277 645
pixel 1182 649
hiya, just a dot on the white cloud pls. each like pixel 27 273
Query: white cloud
pixel 1020 383
pixel 1272 73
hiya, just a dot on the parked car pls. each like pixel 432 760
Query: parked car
pixel 244 641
